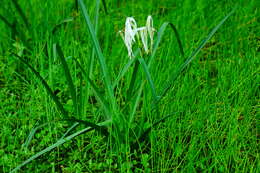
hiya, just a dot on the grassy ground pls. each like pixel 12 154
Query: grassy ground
pixel 215 101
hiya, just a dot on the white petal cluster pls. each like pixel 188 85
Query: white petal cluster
pixel 132 32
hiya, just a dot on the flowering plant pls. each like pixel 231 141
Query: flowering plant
pixel 132 32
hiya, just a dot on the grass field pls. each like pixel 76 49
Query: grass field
pixel 71 100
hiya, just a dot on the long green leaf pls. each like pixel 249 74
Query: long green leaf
pixel 76 5
pixel 63 22
pixel 148 77
pixel 31 134
pixel 70 129
pixel 101 129
pixel 21 13
pixel 98 95
pixel 35 129
pixel 105 6
pixel 46 86
pixel 144 133
pixel 100 56
pixel 159 38
pixel 80 97
pixel 151 83
pixel 57 144
pixel 6 21
pixel 136 103
pixel 177 37
pixel 56 48
pixel 14 31
pixel 125 68
pixel 192 56
pixel 92 60
pixel 132 81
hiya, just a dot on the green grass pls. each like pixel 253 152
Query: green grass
pixel 72 101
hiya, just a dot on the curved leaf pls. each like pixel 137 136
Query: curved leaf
pixel 96 91
pixel 159 38
pixel 99 53
pixel 57 144
pixel 57 48
pixel 46 86
pixel 192 56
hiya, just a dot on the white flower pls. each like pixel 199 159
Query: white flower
pixel 132 31
pixel 150 29
pixel 143 35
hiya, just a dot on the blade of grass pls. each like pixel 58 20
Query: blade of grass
pixel 151 83
pixel 98 128
pixel 70 129
pixel 6 21
pixel 46 86
pixel 12 26
pixel 92 60
pixel 100 56
pixel 92 63
pixel 132 82
pixel 145 133
pixel 57 50
pixel 14 32
pixel 192 56
pixel 35 129
pixel 31 134
pixel 159 38
pixel 177 37
pixel 136 103
pixel 21 13
pixel 77 122
pixel 76 5
pixel 105 6
pixel 63 22
pixel 57 144
pixel 80 98
pixel 98 95
pixel 148 77
pixel 125 68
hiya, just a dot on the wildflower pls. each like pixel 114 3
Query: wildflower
pixel 132 31
pixel 150 29
pixel 143 35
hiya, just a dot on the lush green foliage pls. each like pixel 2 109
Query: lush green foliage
pixel 71 99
